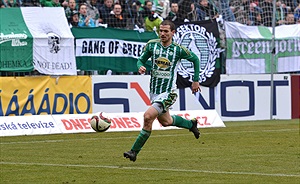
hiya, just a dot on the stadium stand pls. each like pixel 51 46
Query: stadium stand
pixel 136 14
pixel 242 11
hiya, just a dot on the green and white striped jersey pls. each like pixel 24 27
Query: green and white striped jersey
pixel 165 61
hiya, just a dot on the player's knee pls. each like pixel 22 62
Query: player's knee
pixel 148 119
pixel 147 122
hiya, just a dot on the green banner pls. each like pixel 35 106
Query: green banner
pixel 250 49
pixel 15 41
pixel 104 49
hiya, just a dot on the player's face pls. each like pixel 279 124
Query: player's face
pixel 166 34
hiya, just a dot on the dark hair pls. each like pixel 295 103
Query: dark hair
pixel 168 22
pixel 117 4
pixel 81 4
pixel 146 2
pixel 138 3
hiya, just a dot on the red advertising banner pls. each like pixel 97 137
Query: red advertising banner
pixel 79 123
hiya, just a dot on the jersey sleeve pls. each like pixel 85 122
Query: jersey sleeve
pixel 192 57
pixel 146 54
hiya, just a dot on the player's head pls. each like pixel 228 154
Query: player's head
pixel 166 32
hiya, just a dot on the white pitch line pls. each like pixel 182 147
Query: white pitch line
pixel 153 169
pixel 133 137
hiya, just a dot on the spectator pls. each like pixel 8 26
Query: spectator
pixel 165 4
pixel 127 11
pixel 173 13
pixel 70 9
pixel 50 3
pixel 281 11
pixel 290 19
pixel 257 17
pixel 267 11
pixel 153 21
pixel 297 13
pixel 116 19
pixel 148 4
pixel 226 11
pixel 105 11
pixel 123 3
pixel 74 19
pixel 10 3
pixel 158 10
pixel 240 8
pixel 192 14
pixel 84 20
pixel 254 15
pixel 205 10
pixel 137 15
pixel 291 5
pixel 93 11
pixel 154 3
pixel 184 9
pixel 146 9
pixel 64 3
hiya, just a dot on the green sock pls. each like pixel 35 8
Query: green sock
pixel 181 122
pixel 141 140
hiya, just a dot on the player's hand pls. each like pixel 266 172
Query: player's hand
pixel 142 70
pixel 195 87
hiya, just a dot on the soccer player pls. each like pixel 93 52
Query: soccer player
pixel 166 56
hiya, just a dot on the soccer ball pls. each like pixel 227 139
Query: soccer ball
pixel 100 123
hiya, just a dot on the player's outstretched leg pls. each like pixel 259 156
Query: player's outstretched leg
pixel 194 128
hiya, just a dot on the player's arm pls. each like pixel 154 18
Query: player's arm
pixel 146 54
pixel 195 60
pixel 192 57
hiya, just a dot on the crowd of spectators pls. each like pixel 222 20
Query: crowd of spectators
pixel 260 12
pixel 146 15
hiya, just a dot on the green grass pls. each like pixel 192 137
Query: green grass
pixel 243 152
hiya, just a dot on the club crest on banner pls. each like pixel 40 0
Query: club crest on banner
pixel 204 44
pixel 54 42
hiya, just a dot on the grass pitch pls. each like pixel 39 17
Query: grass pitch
pixel 243 152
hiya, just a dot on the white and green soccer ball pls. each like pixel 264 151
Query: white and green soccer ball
pixel 101 122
